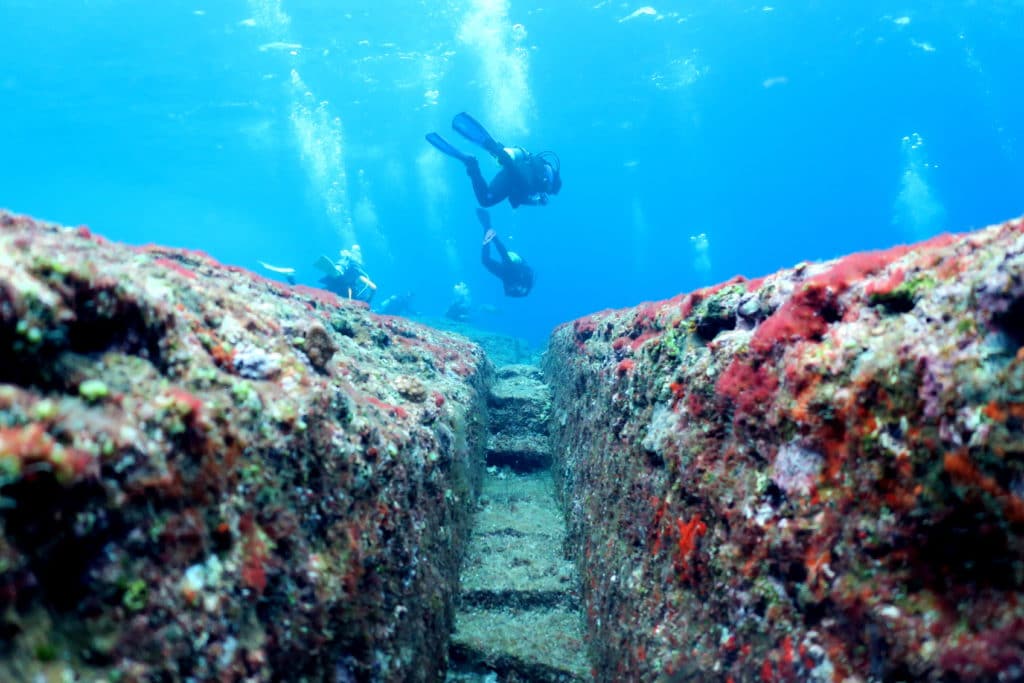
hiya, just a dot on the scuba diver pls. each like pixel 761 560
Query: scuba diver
pixel 462 303
pixel 346 276
pixel 516 277
pixel 397 304
pixel 524 178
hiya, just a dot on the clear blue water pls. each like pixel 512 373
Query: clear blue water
pixel 280 130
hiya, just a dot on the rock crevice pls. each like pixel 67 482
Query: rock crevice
pixel 519 613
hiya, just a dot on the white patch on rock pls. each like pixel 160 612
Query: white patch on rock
pixel 663 424
pixel 253 362
pixel 796 468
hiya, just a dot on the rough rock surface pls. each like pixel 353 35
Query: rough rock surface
pixel 205 475
pixel 817 476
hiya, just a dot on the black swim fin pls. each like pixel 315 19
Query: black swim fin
pixel 469 128
pixel 446 147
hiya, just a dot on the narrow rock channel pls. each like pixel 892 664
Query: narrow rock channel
pixel 519 613
pixel 817 475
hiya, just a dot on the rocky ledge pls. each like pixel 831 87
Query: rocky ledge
pixel 206 475
pixel 818 475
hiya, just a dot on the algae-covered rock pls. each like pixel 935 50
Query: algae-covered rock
pixel 814 476
pixel 205 475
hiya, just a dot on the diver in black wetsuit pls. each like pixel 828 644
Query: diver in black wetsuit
pixel 516 276
pixel 346 277
pixel 524 178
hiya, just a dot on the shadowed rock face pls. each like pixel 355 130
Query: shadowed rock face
pixel 207 474
pixel 812 476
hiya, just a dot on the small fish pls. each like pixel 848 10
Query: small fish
pixel 643 11
pixel 278 45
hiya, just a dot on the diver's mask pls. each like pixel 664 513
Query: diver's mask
pixel 552 172
pixel 549 177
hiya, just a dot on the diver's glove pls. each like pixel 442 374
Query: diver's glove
pixel 472 165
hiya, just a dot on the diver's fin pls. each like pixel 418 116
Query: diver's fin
pixel 469 128
pixel 325 265
pixel 485 218
pixel 446 147
pixel 277 269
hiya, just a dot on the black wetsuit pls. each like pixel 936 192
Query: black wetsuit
pixel 349 285
pixel 516 277
pixel 397 304
pixel 521 182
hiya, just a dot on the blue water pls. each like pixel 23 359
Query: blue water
pixel 698 140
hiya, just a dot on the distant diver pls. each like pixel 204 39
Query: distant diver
pixel 346 276
pixel 462 303
pixel 515 275
pixel 397 304
pixel 524 178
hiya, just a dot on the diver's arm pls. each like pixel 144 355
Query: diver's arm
pixel 502 251
pixel 490 264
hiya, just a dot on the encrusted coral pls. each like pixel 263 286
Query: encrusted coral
pixel 814 476
pixel 410 388
pixel 198 481
pixel 319 346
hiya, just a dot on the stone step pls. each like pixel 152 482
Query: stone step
pixel 523 370
pixel 520 390
pixel 519 418
pixel 511 560
pixel 522 452
pixel 518 600
pixel 518 538
pixel 521 645
pixel 519 401
pixel 519 616
pixel 533 396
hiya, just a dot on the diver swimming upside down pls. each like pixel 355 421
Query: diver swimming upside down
pixel 524 178
pixel 515 274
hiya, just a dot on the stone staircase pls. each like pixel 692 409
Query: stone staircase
pixel 519 617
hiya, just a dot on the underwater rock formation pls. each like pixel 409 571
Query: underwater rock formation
pixel 206 475
pixel 817 475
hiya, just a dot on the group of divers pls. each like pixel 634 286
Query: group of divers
pixel 524 178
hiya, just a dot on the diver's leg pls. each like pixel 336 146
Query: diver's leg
pixel 487 195
pixel 503 157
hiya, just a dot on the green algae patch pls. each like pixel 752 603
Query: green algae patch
pixel 93 390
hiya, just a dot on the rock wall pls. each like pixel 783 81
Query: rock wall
pixel 205 475
pixel 818 475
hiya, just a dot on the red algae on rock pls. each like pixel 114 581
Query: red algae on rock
pixel 813 476
pixel 206 475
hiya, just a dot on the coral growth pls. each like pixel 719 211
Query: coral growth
pixel 813 476
pixel 205 475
